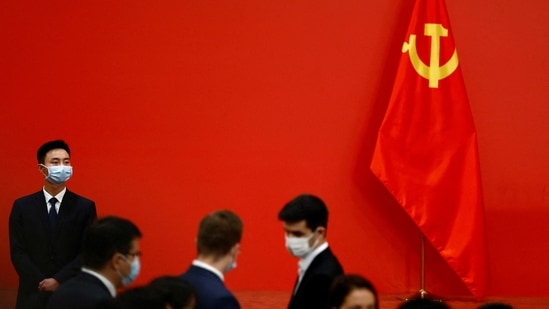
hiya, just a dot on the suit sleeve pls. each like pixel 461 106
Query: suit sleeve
pixel 19 254
pixel 73 267
pixel 229 302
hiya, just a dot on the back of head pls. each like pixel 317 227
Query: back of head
pixel 142 297
pixel 218 232
pixel 104 238
pixel 495 305
pixel 343 285
pixel 423 303
pixel 49 146
pixel 305 207
pixel 180 293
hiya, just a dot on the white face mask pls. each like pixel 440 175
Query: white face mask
pixel 299 246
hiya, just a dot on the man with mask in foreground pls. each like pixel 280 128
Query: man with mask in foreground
pixel 218 245
pixel 110 258
pixel 46 228
pixel 305 222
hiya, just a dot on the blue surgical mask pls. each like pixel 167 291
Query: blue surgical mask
pixel 231 266
pixel 58 174
pixel 134 271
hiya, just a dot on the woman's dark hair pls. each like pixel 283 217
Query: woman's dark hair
pixel 343 285
pixel 423 303
pixel 179 291
pixel 495 305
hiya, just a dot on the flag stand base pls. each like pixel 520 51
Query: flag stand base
pixel 422 293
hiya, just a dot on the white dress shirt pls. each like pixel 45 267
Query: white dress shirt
pixel 59 198
pixel 306 261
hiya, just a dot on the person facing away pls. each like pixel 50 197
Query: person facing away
pixel 423 303
pixel 166 292
pixel 218 245
pixel 142 297
pixel 305 223
pixel 352 292
pixel 110 256
pixel 180 293
pixel 495 305
pixel 46 228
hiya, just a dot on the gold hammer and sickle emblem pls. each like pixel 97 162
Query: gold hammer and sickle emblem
pixel 433 72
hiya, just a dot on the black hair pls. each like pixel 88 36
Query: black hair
pixel 423 303
pixel 179 291
pixel 49 146
pixel 104 238
pixel 495 305
pixel 142 297
pixel 305 207
pixel 343 285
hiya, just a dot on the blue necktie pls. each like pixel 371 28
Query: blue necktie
pixel 53 213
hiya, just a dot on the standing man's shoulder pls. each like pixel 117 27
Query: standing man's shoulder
pixel 79 198
pixel 29 201
pixel 80 204
pixel 330 261
pixel 325 265
pixel 30 197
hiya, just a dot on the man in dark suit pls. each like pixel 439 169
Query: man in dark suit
pixel 305 221
pixel 46 228
pixel 110 256
pixel 218 245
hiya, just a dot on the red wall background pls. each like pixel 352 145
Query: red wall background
pixel 176 108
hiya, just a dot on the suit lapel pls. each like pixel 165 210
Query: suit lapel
pixel 314 264
pixel 312 268
pixel 39 201
pixel 294 291
pixel 66 209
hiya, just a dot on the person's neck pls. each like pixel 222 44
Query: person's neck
pixel 112 275
pixel 320 242
pixel 219 263
pixel 53 189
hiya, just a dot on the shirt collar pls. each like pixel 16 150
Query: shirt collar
pixel 206 266
pixel 304 263
pixel 59 195
pixel 103 279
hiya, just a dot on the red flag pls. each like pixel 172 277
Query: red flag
pixel 426 153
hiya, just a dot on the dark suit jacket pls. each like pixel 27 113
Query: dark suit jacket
pixel 211 292
pixel 313 290
pixel 84 291
pixel 36 251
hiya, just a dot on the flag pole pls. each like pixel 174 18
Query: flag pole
pixel 422 293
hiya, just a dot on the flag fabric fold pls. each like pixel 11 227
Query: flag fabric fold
pixel 426 153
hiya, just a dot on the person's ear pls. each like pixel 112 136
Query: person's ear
pixel 235 250
pixel 116 261
pixel 43 170
pixel 321 231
